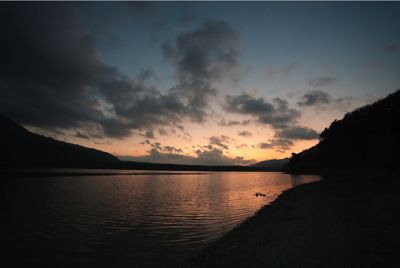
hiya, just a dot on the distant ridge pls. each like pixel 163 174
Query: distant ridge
pixel 273 164
pixel 366 139
pixel 20 147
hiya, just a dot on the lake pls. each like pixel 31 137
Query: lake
pixel 143 219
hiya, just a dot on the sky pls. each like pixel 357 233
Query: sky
pixel 216 83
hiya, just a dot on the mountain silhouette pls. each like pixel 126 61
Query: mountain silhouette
pixel 20 147
pixel 273 164
pixel 367 139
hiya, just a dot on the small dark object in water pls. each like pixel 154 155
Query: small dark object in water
pixel 259 194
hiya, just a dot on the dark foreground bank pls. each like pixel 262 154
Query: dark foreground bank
pixel 340 221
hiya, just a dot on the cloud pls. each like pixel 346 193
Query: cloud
pixel 145 142
pixel 344 103
pixel 321 99
pixel 156 156
pixel 277 144
pixel 187 137
pixel 90 132
pixel 298 133
pixel 284 138
pixel 216 157
pixel 211 156
pixel 149 134
pixel 52 76
pixel 202 57
pixel 276 113
pixel 81 135
pixel 163 132
pixel 245 133
pixel 322 81
pixel 47 60
pixel 314 98
pixel 241 146
pixel 281 144
pixel 221 141
pixel 284 72
pixel 172 149
pixel 393 47
pixel 265 145
pixel 231 123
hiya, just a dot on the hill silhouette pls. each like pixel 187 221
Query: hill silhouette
pixel 273 164
pixel 367 139
pixel 20 147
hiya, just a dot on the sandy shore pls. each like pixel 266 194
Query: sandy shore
pixel 341 221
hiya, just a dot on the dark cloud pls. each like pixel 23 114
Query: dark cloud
pixel 321 99
pixel 245 133
pixel 393 47
pixel 216 157
pixel 202 57
pixel 277 144
pixel 145 142
pixel 156 156
pixel 172 149
pixel 114 127
pixel 265 145
pixel 210 156
pixel 322 81
pixel 47 61
pixel 152 15
pixel 52 76
pixel 231 123
pixel 284 138
pixel 90 132
pixel 277 114
pixel 314 98
pixel 241 146
pixel 146 74
pixel 187 137
pixel 163 132
pixel 157 147
pixel 180 127
pixel 149 134
pixel 148 15
pixel 284 72
pixel 81 135
pixel 298 133
pixel 281 144
pixel 221 141
pixel 344 103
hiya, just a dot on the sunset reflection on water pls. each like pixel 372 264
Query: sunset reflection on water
pixel 128 219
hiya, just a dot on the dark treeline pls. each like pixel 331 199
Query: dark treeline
pixel 365 139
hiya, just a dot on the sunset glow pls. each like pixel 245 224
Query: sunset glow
pixel 197 83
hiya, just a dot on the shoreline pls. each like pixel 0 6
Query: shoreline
pixel 342 220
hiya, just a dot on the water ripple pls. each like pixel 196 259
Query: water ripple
pixel 92 219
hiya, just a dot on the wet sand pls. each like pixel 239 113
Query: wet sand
pixel 341 221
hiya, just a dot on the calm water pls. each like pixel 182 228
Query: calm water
pixel 127 220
